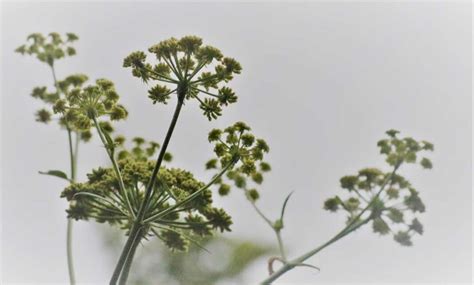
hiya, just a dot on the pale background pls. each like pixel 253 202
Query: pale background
pixel 321 83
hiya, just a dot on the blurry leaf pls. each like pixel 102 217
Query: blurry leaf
pixel 57 173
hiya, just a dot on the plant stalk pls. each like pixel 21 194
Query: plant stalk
pixel 129 249
pixel 73 161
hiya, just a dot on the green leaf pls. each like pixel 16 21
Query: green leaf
pixel 57 173
pixel 284 206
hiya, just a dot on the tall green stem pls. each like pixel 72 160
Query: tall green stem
pixel 73 161
pixel 128 249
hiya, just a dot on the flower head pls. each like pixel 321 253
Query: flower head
pixel 387 197
pixel 235 144
pixel 190 70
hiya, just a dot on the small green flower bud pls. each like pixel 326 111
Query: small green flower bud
pixel 86 136
pixel 43 116
pixel 265 167
pixel 248 139
pixel 380 226
pixel 395 215
pixel 253 195
pixel 403 238
pixel 168 157
pixel 224 189
pixel 211 164
pixel 332 204
pixel 416 226
pixel 214 135
pixel 118 112
pixel 59 106
pixel 392 133
pixel 426 163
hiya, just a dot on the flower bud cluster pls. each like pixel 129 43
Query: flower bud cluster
pixel 99 198
pixel 394 209
pixel 189 69
pixel 49 48
pixel 235 144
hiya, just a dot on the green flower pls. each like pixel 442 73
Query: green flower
pixel 190 70
pixel 237 146
pixel 48 48
pixel 385 197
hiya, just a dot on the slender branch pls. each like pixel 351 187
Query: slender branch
pixel 115 166
pixel 352 226
pixel 73 162
pixel 190 197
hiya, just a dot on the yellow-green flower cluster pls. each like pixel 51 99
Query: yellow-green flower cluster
pixel 49 48
pixel 189 69
pixel 236 144
pixel 390 198
pixel 82 105
pixel 99 198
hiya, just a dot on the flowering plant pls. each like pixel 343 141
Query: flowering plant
pixel 146 197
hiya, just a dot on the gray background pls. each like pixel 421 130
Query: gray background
pixel 321 82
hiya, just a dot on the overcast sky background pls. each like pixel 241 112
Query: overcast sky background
pixel 321 82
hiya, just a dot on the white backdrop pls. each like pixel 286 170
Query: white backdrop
pixel 321 82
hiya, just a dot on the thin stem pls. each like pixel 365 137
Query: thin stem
pixel 291 264
pixel 115 166
pixel 277 231
pixel 280 245
pixel 190 197
pixel 136 225
pixel 352 226
pixel 73 161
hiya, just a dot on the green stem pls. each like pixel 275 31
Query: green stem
pixel 292 264
pixel 115 166
pixel 70 263
pixel 136 225
pixel 73 161
pixel 280 245
pixel 352 226
pixel 128 263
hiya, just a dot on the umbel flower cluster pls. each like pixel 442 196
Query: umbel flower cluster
pixel 50 48
pixel 167 218
pixel 237 143
pixel 190 70
pixel 72 104
pixel 391 201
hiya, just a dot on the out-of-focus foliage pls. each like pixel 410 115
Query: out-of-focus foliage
pixel 392 201
pixel 223 259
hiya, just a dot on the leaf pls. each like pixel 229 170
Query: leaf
pixel 284 206
pixel 57 173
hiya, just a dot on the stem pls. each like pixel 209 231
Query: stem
pixel 127 250
pixel 128 262
pixel 73 160
pixel 352 226
pixel 115 166
pixel 280 245
pixel 291 264
pixel 70 263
